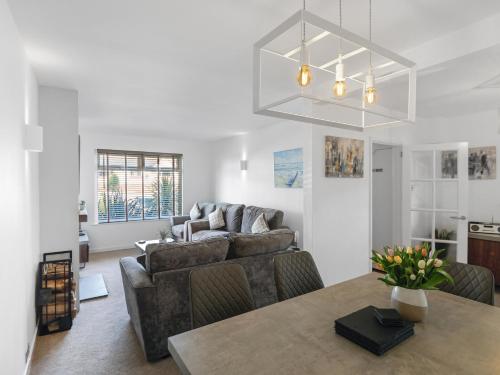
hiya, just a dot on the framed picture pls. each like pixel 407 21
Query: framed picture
pixel 289 168
pixel 344 157
pixel 483 163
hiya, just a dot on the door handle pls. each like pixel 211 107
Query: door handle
pixel 458 217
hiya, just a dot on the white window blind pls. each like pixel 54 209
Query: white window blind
pixel 138 185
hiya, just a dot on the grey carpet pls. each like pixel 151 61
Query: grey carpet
pixel 102 340
pixel 92 286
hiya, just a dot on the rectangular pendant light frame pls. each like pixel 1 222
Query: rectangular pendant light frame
pixel 363 46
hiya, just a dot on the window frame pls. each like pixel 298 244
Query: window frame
pixel 176 158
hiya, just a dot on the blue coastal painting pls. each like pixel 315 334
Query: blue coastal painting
pixel 288 168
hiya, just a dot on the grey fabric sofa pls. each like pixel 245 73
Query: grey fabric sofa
pixel 238 219
pixel 156 284
pixel 179 223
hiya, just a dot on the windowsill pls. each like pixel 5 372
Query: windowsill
pixel 131 221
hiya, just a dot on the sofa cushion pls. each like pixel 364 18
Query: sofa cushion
pixel 178 231
pixel 245 245
pixel 233 217
pixel 206 234
pixel 205 209
pixel 171 256
pixel 273 217
pixel 216 219
pixel 195 212
pixel 260 225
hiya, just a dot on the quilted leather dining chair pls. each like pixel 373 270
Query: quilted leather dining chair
pixel 296 274
pixel 218 292
pixel 473 282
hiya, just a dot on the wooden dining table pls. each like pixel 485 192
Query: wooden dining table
pixel 297 336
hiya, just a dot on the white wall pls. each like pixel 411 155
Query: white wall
pixel 332 214
pixel 20 203
pixel 58 112
pixel 338 213
pixel 256 185
pixel 197 184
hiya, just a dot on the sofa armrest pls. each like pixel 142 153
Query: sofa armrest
pixel 135 273
pixel 141 299
pixel 176 220
pixel 194 226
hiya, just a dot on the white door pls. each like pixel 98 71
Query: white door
pixel 435 197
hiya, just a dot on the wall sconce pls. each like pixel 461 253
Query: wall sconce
pixel 33 138
pixel 243 165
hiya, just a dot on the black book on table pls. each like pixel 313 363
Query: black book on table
pixel 363 328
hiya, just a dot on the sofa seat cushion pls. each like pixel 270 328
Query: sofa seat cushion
pixel 178 231
pixel 273 217
pixel 176 255
pixel 245 245
pixel 206 234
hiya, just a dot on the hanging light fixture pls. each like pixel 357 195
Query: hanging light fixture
pixel 316 104
pixel 304 76
pixel 340 87
pixel 370 96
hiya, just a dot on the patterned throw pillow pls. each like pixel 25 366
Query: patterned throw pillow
pixel 195 212
pixel 216 219
pixel 260 225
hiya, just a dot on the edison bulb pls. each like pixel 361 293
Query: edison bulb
pixel 339 89
pixel 370 95
pixel 370 91
pixel 304 76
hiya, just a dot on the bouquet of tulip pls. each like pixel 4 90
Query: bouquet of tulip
pixel 412 267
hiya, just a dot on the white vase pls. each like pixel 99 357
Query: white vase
pixel 411 303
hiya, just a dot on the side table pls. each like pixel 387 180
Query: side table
pixel 141 245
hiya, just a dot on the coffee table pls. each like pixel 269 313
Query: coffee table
pixel 141 245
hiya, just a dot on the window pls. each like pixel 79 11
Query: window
pixel 135 186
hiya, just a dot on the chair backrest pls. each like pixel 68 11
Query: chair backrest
pixel 472 282
pixel 218 292
pixel 296 274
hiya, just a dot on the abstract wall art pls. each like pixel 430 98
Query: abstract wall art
pixel 344 157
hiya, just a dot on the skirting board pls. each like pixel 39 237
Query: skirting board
pixel 114 248
pixel 27 369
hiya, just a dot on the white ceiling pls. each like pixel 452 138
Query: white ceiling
pixel 183 69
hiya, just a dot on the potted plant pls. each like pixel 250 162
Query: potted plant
pixel 165 233
pixel 411 271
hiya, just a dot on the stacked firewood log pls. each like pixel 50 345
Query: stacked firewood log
pixel 59 285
